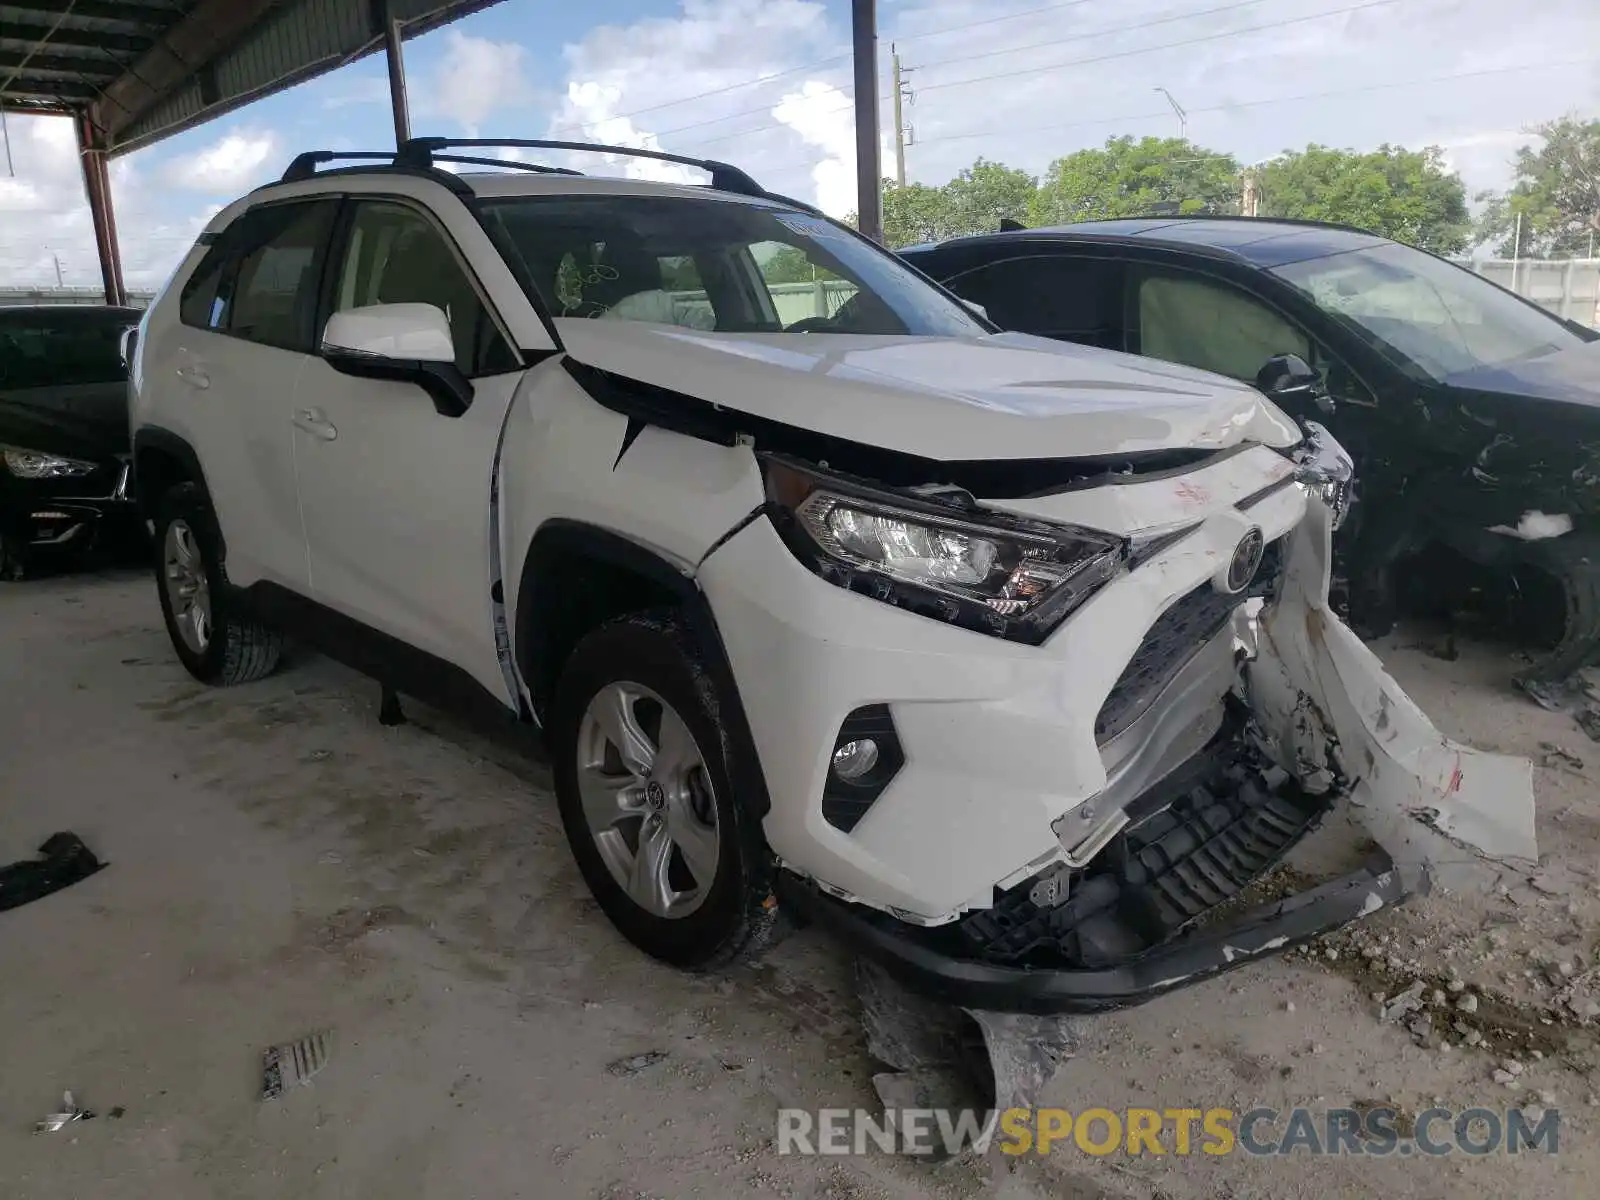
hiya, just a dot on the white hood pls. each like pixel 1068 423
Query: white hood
pixel 949 399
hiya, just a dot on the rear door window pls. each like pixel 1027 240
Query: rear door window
pixel 1074 299
pixel 272 295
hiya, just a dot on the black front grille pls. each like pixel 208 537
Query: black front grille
pixel 1176 637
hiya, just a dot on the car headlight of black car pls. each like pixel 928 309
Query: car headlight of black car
pixel 985 570
pixel 37 464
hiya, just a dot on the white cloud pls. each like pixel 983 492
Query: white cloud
pixel 475 78
pixel 44 217
pixel 736 59
pixel 822 116
pixel 226 167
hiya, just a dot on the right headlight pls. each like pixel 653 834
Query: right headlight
pixel 988 571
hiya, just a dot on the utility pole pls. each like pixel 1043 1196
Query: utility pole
pixel 1250 200
pixel 903 137
pixel 869 180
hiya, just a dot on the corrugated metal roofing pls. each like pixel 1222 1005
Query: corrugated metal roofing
pixel 56 59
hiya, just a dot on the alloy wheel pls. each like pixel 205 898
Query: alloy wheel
pixel 184 578
pixel 647 799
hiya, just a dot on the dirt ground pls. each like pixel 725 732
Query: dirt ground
pixel 280 863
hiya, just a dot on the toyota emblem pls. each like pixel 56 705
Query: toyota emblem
pixel 1245 562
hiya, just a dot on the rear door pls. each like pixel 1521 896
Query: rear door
pixel 247 317
pixel 397 495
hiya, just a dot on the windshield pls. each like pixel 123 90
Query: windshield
pixel 717 264
pixel 1439 318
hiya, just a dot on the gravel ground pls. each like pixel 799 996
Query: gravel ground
pixel 281 863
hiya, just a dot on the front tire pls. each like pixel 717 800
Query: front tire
pixel 672 856
pixel 216 643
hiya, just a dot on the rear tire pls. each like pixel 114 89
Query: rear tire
pixel 216 643
pixel 642 778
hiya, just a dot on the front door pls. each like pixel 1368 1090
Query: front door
pixel 395 494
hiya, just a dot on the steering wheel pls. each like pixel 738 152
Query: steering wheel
pixel 810 325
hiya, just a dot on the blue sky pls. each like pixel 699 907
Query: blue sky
pixel 767 84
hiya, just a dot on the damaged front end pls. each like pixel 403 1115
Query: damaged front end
pixel 1163 878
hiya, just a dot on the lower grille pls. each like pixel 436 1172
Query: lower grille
pixel 1176 637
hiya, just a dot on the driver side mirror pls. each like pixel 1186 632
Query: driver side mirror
pixel 1289 380
pixel 405 343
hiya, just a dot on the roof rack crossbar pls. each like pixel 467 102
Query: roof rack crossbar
pixel 419 152
pixel 305 165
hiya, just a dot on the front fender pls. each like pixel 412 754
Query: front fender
pixel 1333 712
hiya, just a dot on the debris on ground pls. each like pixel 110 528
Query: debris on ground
pixel 1552 755
pixel 634 1063
pixel 294 1063
pixel 68 1113
pixel 1589 721
pixel 66 860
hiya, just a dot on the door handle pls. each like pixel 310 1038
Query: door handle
pixel 313 422
pixel 194 375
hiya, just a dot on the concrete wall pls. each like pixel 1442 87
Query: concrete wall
pixel 1568 287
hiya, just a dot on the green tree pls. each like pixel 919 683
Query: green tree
pixel 1557 194
pixel 975 201
pixel 1128 178
pixel 789 265
pixel 914 213
pixel 1407 195
pixel 984 194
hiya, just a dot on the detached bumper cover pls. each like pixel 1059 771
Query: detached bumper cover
pixel 906 954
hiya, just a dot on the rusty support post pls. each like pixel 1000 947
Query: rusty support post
pixel 395 53
pixel 97 186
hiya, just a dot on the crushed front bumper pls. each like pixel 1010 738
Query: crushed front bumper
pixel 911 958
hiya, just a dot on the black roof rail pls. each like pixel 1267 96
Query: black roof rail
pixel 304 166
pixel 418 153
pixel 514 163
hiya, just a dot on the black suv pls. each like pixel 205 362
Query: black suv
pixel 1473 415
pixel 64 444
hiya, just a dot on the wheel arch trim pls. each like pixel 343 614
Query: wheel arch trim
pixel 584 540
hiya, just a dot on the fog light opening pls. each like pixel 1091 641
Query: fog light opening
pixel 855 759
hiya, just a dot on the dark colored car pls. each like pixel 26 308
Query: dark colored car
pixel 64 443
pixel 1473 415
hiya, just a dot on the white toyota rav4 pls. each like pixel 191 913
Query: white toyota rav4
pixel 1007 659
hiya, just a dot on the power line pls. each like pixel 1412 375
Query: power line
pixel 1027 12
pixel 1120 54
pixel 1194 41
pixel 1169 19
pixel 1263 102
pixel 1371 87
pixel 821 62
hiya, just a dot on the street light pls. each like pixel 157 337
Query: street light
pixel 1183 117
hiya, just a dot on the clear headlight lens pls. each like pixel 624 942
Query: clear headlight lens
pixel 989 571
pixel 36 464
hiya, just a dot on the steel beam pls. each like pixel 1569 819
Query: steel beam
pixel 869 167
pixel 66 38
pixel 97 186
pixel 208 29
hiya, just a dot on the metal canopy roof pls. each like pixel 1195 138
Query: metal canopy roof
pixel 139 70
